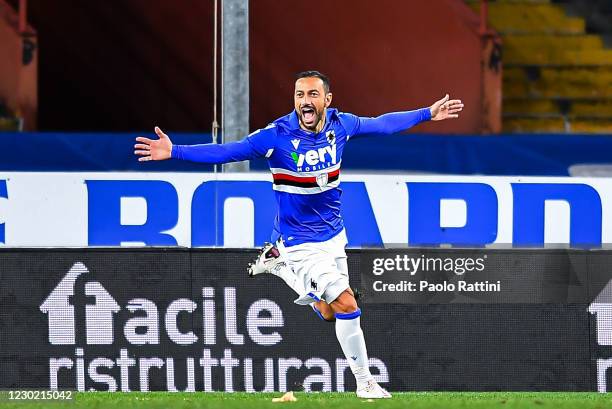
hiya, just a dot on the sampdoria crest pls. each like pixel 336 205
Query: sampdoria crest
pixel 322 179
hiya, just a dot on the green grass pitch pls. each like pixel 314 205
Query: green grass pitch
pixel 413 400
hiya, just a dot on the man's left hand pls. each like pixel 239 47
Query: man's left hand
pixel 445 108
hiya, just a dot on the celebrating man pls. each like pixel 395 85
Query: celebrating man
pixel 304 151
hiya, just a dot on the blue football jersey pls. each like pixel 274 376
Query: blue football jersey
pixel 305 166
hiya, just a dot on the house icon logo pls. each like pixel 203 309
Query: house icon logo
pixel 73 301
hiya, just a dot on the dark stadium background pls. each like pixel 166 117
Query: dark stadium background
pixel 80 79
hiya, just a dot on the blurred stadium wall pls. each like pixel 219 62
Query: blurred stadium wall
pixel 398 55
pixel 18 71
pixel 136 62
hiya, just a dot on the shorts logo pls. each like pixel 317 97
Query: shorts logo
pixel 313 284
pixel 280 265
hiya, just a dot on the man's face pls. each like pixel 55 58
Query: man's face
pixel 310 102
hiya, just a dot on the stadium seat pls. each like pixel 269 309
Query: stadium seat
pixel 557 77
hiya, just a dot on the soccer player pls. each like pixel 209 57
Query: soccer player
pixel 304 152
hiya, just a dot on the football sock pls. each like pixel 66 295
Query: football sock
pixel 350 336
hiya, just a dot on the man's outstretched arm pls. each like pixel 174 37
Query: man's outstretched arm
pixel 395 122
pixel 162 148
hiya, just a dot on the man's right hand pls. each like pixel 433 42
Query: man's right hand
pixel 149 149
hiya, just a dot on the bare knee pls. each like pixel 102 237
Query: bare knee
pixel 326 311
pixel 345 303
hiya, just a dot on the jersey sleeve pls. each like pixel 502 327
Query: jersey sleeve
pixel 386 124
pixel 350 122
pixel 258 144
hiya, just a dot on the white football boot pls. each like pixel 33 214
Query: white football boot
pixel 268 260
pixel 372 390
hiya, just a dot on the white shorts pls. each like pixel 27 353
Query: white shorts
pixel 321 268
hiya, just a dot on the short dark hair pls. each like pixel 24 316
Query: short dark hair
pixel 315 74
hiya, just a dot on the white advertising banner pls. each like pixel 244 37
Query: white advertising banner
pixel 237 210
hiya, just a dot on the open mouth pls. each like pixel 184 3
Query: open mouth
pixel 308 115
